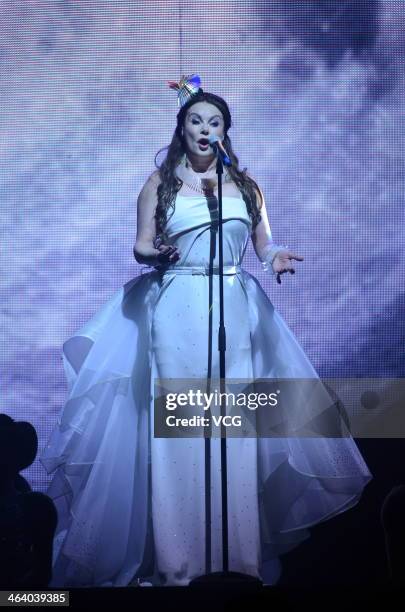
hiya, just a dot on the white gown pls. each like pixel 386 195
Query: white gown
pixel 132 505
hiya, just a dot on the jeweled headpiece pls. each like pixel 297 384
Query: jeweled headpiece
pixel 187 87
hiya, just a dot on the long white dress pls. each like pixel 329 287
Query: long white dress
pixel 132 505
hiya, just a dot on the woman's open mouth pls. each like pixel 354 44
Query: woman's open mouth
pixel 203 143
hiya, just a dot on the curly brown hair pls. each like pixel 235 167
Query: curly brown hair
pixel 170 184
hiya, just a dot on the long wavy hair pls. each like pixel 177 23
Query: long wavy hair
pixel 170 184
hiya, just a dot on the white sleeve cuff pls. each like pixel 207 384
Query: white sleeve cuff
pixel 267 263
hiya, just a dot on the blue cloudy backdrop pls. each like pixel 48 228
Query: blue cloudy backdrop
pixel 317 95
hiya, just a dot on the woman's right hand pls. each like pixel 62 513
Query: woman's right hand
pixel 168 254
pixel 156 254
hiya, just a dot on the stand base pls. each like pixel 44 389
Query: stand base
pixel 230 578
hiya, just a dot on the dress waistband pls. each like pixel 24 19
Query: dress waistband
pixel 205 270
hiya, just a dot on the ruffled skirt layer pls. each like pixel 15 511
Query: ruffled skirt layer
pixel 121 499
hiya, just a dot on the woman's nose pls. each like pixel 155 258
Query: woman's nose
pixel 204 131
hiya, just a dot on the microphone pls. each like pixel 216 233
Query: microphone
pixel 217 145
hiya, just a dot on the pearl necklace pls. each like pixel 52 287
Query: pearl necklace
pixel 205 185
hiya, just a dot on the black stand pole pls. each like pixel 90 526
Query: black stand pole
pixel 225 576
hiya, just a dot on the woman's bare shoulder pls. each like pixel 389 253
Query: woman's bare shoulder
pixel 259 193
pixel 154 178
pixel 150 186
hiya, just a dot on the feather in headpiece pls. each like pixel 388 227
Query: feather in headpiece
pixel 187 87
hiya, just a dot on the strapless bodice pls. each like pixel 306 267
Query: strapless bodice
pixel 188 228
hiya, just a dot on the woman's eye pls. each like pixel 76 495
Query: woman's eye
pixel 196 122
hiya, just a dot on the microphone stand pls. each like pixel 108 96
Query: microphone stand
pixel 225 576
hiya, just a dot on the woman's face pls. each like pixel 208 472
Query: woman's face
pixel 202 121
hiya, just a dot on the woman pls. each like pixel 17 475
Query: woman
pixel 132 505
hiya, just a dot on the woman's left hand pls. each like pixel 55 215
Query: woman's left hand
pixel 282 263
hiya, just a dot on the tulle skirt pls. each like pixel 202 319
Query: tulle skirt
pixel 132 505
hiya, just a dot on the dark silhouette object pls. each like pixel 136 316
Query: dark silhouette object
pixel 392 517
pixel 27 519
pixel 21 484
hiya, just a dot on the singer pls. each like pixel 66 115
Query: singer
pixel 132 506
